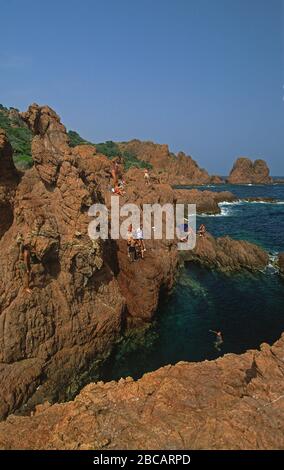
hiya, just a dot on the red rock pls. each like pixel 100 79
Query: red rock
pixel 81 293
pixel 226 254
pixel 206 201
pixel 245 171
pixel 172 169
pixel 73 315
pixel 235 402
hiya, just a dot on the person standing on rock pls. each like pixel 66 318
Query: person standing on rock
pixel 146 176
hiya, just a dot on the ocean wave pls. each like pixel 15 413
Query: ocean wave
pixel 209 215
pixel 240 202
pixel 231 203
pixel 225 212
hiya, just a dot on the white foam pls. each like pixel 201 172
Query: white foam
pixel 231 203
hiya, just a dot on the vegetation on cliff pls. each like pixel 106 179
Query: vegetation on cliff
pixel 111 150
pixel 20 137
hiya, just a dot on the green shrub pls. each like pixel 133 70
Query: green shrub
pixel 111 150
pixel 76 139
pixel 19 136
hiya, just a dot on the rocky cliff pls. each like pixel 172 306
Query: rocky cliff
pixel 245 171
pixel 81 292
pixel 81 296
pixel 49 336
pixel 173 169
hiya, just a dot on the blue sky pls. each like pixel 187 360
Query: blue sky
pixel 204 76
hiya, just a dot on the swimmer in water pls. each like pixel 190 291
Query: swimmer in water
pixel 219 339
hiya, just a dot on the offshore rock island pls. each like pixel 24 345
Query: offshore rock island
pixel 85 294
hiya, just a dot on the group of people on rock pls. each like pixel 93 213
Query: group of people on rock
pixel 135 243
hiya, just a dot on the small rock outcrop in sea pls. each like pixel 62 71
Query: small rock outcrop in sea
pixel 171 168
pixel 226 254
pixel 207 202
pixel 246 171
pixel 234 402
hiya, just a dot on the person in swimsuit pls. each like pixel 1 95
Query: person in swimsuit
pixel 219 339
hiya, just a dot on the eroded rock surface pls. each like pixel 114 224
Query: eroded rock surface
pixel 173 169
pixel 81 294
pixel 235 402
pixel 73 315
pixel 226 254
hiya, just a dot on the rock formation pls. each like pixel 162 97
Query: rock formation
pixel 81 290
pixel 234 402
pixel 206 201
pixel 245 171
pixel 73 316
pixel 172 169
pixel 226 254
pixel 84 292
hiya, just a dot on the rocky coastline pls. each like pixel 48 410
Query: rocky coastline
pixel 84 294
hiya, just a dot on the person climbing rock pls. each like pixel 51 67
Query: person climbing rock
pixel 219 339
pixel 202 231
pixel 146 176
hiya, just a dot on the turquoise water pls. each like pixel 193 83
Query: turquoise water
pixel 247 308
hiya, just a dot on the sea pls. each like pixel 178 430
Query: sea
pixel 248 308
